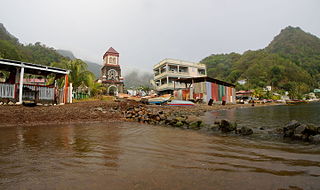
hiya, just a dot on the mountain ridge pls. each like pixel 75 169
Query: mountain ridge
pixel 290 62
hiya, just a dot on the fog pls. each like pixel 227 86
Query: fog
pixel 146 31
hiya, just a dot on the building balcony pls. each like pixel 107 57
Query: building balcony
pixel 171 74
pixel 170 86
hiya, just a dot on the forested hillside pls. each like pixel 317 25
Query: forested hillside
pixel 37 53
pixel 291 62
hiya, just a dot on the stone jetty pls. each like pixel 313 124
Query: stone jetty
pixel 141 113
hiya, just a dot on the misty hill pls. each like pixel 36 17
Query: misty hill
pixel 95 68
pixel 11 48
pixel 5 35
pixel 134 80
pixel 66 53
pixel 291 62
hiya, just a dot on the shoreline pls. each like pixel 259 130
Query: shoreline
pixel 94 112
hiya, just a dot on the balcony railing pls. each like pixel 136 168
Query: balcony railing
pixel 171 86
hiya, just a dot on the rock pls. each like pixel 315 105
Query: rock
pixel 311 130
pixel 261 128
pixel 315 139
pixel 300 129
pixel 216 122
pixel 178 124
pixel 158 118
pixel 99 109
pixel 192 119
pixel 163 117
pixel 10 103
pixel 180 119
pixel 196 125
pixel 289 129
pixel 136 109
pixel 245 131
pixel 225 126
pixel 213 127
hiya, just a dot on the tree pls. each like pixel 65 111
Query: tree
pixel 78 72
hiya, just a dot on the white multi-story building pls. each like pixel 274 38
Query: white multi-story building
pixel 168 70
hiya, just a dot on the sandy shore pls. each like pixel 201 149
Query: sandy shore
pixel 90 111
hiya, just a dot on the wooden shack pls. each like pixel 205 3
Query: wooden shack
pixel 204 89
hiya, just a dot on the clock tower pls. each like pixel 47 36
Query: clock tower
pixel 111 73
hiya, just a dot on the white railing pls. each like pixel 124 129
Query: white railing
pixel 46 93
pixel 6 90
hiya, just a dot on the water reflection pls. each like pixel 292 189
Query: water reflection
pixel 134 156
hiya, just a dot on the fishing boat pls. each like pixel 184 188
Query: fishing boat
pixel 180 103
pixel 159 100
pixel 294 102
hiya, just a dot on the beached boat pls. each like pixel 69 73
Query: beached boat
pixel 159 100
pixel 180 103
pixel 294 102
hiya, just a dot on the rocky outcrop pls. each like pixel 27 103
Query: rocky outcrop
pixel 226 126
pixel 245 131
pixel 304 132
pixel 142 114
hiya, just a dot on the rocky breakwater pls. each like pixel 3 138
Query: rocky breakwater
pixel 295 130
pixel 142 114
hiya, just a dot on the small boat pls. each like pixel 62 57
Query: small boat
pixel 180 103
pixel 159 100
pixel 294 102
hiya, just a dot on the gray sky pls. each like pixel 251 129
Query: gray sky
pixel 146 31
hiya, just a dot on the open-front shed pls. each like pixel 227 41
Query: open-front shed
pixel 205 89
pixel 16 88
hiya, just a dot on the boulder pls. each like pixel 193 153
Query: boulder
pixel 245 131
pixel 311 130
pixel 196 125
pixel 226 126
pixel 300 129
pixel 289 129
pixel 178 124
pixel 315 139
pixel 98 109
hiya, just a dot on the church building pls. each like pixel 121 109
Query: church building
pixel 111 73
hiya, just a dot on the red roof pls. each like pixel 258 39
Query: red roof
pixel 111 51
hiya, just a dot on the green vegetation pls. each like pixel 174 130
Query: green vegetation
pixel 291 62
pixel 37 53
pixel 79 74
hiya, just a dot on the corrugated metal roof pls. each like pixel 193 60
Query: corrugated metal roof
pixel 203 79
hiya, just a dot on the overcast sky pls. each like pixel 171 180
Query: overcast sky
pixel 146 31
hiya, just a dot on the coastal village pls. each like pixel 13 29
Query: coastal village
pixel 181 92
pixel 164 95
pixel 175 82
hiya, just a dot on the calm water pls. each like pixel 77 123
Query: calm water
pixel 269 117
pixel 134 156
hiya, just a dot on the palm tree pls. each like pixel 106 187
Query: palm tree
pixel 78 72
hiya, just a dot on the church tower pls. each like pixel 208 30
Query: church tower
pixel 111 73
